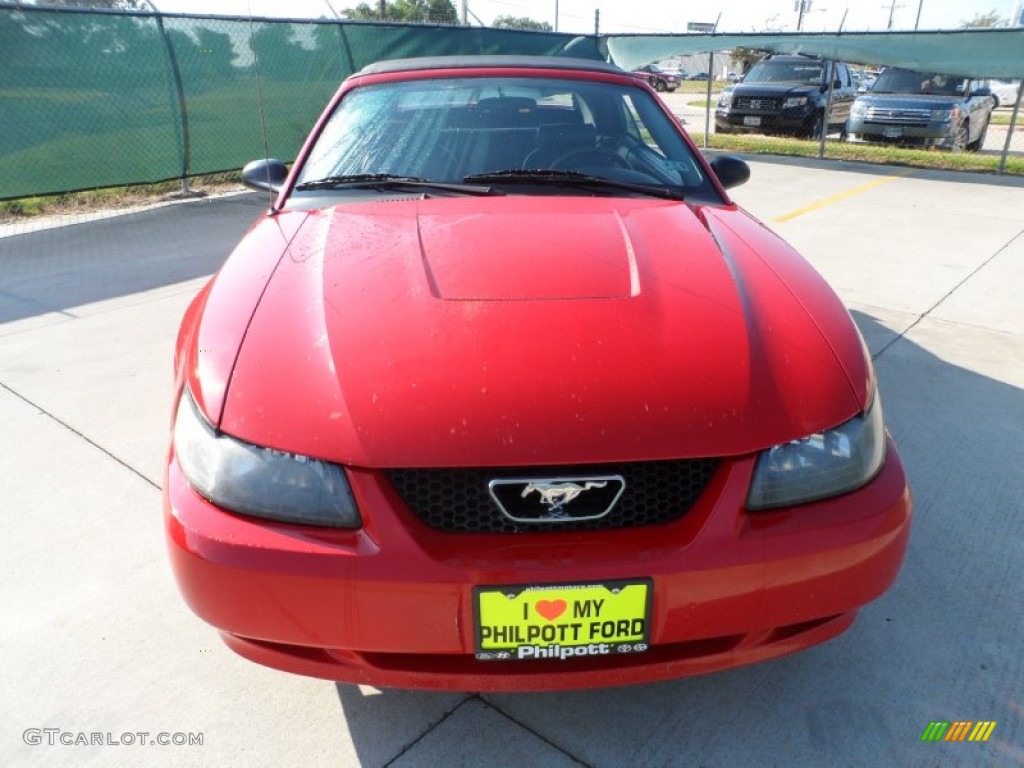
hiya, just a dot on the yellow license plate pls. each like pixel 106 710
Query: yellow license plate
pixel 562 621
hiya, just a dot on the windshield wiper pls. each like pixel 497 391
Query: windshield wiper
pixel 571 179
pixel 392 181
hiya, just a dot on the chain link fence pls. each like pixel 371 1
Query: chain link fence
pixel 93 99
pixel 936 123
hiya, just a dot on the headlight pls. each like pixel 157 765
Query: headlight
pixel 858 110
pixel 945 115
pixel 725 99
pixel 824 464
pixel 251 480
pixel 794 101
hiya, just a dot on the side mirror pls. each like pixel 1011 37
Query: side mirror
pixel 265 175
pixel 730 170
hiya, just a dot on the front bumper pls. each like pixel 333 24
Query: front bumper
pixel 934 134
pixel 391 604
pixel 796 120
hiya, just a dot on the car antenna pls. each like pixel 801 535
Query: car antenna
pixel 259 99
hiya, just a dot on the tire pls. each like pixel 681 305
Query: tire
pixel 958 141
pixel 979 142
pixel 659 86
pixel 816 125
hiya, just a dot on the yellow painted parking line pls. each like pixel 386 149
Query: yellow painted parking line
pixel 842 196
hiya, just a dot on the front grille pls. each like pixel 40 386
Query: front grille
pixel 457 500
pixel 898 116
pixel 753 102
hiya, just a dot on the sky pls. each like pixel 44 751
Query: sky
pixel 626 16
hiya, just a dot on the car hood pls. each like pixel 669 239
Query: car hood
pixel 536 330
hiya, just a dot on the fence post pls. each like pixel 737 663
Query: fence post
pixel 1009 129
pixel 186 154
pixel 707 104
pixel 830 79
pixel 346 48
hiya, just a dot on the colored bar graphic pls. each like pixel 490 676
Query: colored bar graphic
pixel 958 730
pixel 935 730
pixel 982 731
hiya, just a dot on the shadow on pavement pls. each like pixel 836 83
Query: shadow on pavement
pixel 55 269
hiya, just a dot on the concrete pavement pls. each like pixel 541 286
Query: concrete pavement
pixel 96 639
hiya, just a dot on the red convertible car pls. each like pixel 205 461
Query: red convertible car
pixel 504 393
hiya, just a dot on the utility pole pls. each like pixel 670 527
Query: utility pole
pixel 464 13
pixel 597 22
pixel 556 15
pixel 383 10
pixel 801 7
pixel 892 10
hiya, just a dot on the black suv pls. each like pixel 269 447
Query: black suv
pixel 787 95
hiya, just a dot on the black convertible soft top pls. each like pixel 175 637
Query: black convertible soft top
pixel 466 62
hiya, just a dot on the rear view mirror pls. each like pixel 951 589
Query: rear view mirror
pixel 730 170
pixel 265 175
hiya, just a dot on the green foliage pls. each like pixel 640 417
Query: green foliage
pixel 747 57
pixel 981 20
pixel 423 11
pixel 521 22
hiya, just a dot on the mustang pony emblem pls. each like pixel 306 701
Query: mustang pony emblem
pixel 557 495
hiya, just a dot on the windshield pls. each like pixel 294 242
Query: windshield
pixel 905 81
pixel 452 129
pixel 773 71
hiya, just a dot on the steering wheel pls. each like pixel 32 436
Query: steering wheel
pixel 602 156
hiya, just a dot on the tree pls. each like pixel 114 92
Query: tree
pixel 521 22
pixel 424 11
pixel 747 57
pixel 990 19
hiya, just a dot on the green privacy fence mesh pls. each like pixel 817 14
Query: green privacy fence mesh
pixel 102 98
pixel 92 99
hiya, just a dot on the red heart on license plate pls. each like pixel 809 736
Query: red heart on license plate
pixel 550 609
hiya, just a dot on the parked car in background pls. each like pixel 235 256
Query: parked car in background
pixel 659 79
pixel 1003 92
pixel 504 392
pixel 699 76
pixel 787 95
pixel 931 110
